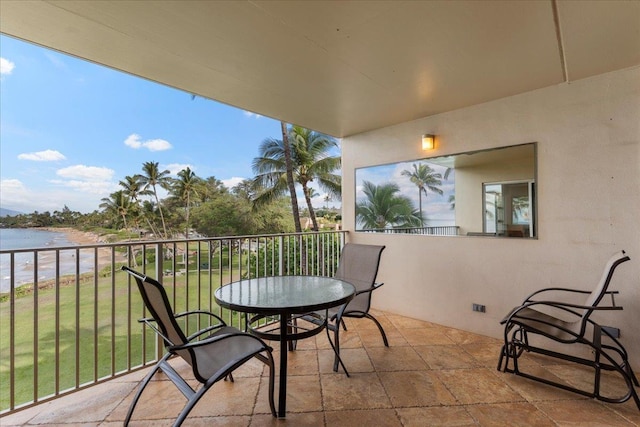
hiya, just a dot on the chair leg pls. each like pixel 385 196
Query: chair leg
pixel 192 402
pixel 336 349
pixel 502 356
pixel 141 388
pixel 384 336
pixel 272 381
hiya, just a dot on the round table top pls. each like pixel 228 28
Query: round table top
pixel 284 294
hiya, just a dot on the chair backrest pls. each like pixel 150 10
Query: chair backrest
pixel 598 293
pixel 156 300
pixel 359 266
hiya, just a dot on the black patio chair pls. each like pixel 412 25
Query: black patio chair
pixel 213 352
pixel 543 317
pixel 358 265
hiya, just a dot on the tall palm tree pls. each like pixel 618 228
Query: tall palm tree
pixel 385 208
pixel 185 189
pixel 425 178
pixel 117 204
pixel 151 179
pixel 311 160
pixel 132 188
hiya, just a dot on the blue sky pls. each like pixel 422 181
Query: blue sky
pixel 70 130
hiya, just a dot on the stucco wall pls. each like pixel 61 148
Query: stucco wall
pixel 588 135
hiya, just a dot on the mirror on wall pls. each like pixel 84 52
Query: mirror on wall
pixel 481 193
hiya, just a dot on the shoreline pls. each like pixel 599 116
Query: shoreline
pixel 83 238
pixel 47 264
pixel 73 235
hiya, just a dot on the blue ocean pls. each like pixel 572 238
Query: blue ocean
pixel 22 238
pixel 16 239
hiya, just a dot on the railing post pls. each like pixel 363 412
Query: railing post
pixel 159 260
pixel 280 255
pixel 158 273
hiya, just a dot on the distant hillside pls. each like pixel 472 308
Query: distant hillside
pixel 8 212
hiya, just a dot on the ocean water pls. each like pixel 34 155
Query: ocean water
pixel 22 238
pixel 15 239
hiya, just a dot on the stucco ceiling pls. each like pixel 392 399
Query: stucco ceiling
pixel 341 67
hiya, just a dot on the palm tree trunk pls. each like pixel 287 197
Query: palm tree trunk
pixel 312 213
pixel 164 227
pixel 290 182
pixel 420 203
pixel 186 230
pixel 294 197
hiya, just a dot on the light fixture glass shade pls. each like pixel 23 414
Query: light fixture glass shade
pixel 428 141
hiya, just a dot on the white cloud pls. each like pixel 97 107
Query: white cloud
pixel 86 173
pixel 134 141
pixel 174 168
pixel 157 145
pixel 17 196
pixel 6 66
pixel 250 114
pixel 11 186
pixel 90 187
pixel 43 156
pixel 232 182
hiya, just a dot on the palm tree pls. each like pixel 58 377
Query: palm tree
pixel 132 188
pixel 117 204
pixel 424 177
pixel 185 188
pixel 150 180
pixel 310 160
pixel 384 208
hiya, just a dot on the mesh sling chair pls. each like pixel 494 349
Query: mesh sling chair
pixel 358 265
pixel 213 352
pixel 570 324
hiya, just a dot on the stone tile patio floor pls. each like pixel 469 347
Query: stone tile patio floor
pixel 429 376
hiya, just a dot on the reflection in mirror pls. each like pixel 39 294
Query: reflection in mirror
pixel 480 193
pixel 508 210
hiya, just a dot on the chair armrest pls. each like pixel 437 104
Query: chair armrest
pixel 221 323
pixel 558 304
pixel 217 338
pixel 566 307
pixel 208 313
pixel 540 291
pixel 371 289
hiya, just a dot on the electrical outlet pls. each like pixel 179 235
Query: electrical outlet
pixel 479 308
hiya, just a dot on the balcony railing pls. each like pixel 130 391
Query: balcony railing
pixel 68 315
pixel 441 230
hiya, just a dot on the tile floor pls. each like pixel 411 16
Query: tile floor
pixel 429 376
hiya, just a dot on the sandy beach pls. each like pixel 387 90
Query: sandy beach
pixel 84 238
pixel 75 236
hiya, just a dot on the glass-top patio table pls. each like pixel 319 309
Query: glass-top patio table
pixel 285 296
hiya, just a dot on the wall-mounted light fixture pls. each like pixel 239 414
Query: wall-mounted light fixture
pixel 428 141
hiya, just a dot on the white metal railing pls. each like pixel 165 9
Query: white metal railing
pixel 69 316
pixel 440 230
